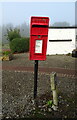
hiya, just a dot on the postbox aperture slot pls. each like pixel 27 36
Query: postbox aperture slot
pixel 45 26
pixel 38 46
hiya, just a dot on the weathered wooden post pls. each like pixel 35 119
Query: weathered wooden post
pixel 54 90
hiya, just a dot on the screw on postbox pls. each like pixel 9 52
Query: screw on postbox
pixel 38 37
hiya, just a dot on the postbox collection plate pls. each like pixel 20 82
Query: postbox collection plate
pixel 38 46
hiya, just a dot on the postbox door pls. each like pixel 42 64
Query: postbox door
pixel 38 48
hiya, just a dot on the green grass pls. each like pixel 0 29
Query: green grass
pixel 4 46
pixel 6 53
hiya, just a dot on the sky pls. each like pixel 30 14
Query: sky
pixel 76 13
pixel 18 13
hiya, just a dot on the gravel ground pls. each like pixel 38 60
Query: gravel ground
pixel 17 89
pixel 17 96
pixel 61 61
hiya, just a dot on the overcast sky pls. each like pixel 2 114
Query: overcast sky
pixel 20 12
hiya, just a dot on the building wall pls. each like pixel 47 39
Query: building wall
pixel 76 37
pixel 65 40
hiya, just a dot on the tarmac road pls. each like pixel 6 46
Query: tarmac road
pixel 59 71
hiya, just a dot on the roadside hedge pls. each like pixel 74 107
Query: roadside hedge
pixel 19 45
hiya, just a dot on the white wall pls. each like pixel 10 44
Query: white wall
pixel 61 34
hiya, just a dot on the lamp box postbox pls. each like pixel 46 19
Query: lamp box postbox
pixel 38 37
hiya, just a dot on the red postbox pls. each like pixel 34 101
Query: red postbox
pixel 38 37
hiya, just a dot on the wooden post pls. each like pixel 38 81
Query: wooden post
pixel 54 90
pixel 55 100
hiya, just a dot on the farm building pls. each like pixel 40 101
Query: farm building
pixel 61 40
